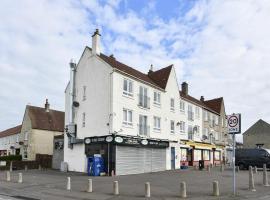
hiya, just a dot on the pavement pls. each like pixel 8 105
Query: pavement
pixel 50 184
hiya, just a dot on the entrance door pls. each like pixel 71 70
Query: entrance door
pixel 172 157
pixel 190 157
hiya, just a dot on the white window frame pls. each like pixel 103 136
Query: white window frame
pixel 157 123
pixel 127 117
pixel 172 104
pixel 172 125
pixel 182 127
pixel 144 99
pixel 157 98
pixel 182 106
pixel 26 134
pixel 197 112
pixel 129 90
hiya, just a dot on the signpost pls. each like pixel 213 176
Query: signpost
pixel 234 127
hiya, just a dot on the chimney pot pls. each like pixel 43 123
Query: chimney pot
pixel 185 88
pixel 47 106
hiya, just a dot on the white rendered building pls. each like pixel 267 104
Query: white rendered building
pixel 134 120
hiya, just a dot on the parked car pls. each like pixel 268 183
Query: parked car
pixel 252 157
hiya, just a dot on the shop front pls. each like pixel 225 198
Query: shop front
pixel 128 155
pixel 193 152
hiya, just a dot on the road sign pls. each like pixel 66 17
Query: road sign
pixel 234 123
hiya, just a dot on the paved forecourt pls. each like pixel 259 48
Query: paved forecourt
pixel 49 184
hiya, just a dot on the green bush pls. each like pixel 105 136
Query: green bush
pixel 10 157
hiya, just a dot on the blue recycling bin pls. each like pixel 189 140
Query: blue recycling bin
pixel 95 165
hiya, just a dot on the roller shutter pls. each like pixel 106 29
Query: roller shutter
pixel 132 160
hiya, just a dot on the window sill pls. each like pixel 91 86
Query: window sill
pixel 143 107
pixel 127 126
pixel 157 130
pixel 128 96
pixel 157 105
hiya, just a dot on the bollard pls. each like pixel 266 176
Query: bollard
pixel 8 175
pixel 265 177
pixel 39 167
pixel 251 180
pixel 183 190
pixel 237 168
pixel 25 168
pixel 255 170
pixel 113 174
pixel 20 180
pixel 68 183
pixel 215 188
pixel 221 167
pixel 11 166
pixel 115 188
pixel 208 168
pixel 147 189
pixel 90 186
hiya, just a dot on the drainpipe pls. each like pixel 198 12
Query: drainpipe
pixel 72 65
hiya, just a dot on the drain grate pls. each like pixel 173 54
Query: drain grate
pixel 23 197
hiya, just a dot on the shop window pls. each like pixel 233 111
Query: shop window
pixel 217 155
pixel 184 153
pixel 206 154
pixel 197 154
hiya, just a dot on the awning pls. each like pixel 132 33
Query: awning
pixel 201 145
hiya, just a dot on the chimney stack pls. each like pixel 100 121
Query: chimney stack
pixel 151 69
pixel 202 99
pixel 47 106
pixel 96 42
pixel 185 88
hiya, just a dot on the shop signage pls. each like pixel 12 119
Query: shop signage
pixel 128 141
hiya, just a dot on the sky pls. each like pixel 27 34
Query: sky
pixel 221 48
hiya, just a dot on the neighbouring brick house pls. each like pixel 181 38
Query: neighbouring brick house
pixel 9 141
pixel 39 127
pixel 257 135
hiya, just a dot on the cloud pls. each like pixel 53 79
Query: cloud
pixel 220 47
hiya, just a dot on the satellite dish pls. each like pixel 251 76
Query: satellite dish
pixel 204 137
pixel 76 104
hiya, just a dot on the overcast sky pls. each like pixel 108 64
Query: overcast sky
pixel 221 48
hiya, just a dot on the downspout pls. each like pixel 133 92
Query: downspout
pixel 72 65
pixel 110 116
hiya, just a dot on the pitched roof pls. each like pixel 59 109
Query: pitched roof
pixel 215 104
pixel 51 121
pixel 160 77
pixel 259 127
pixel 11 131
pixel 157 78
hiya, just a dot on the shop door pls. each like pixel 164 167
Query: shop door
pixel 190 157
pixel 172 157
